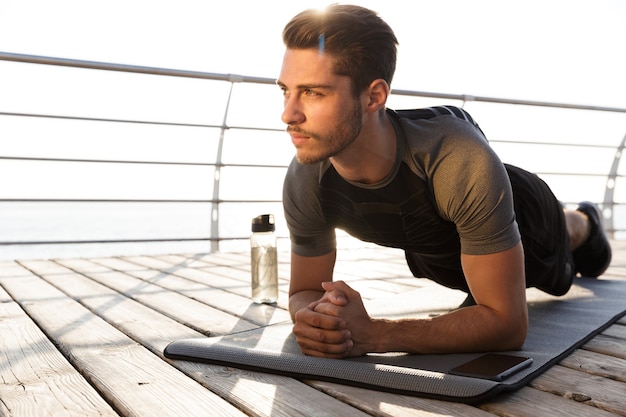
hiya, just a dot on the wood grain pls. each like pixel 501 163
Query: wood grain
pixel 35 376
pixel 131 378
pixel 84 337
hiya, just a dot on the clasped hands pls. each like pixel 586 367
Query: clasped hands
pixel 335 326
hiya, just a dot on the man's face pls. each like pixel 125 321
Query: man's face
pixel 322 115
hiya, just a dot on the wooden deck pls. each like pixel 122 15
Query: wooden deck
pixel 83 337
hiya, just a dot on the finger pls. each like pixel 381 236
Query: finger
pixel 342 352
pixel 318 336
pixel 339 288
pixel 326 348
pixel 335 285
pixel 334 294
pixel 329 309
pixel 318 320
pixel 314 304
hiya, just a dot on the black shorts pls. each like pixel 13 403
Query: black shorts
pixel 547 257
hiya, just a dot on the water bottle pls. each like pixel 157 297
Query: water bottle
pixel 264 260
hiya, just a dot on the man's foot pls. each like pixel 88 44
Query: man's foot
pixel 593 257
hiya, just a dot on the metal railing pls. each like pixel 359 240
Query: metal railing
pixel 218 167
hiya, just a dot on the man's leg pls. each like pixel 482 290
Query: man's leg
pixel 578 228
pixel 539 214
pixel 590 247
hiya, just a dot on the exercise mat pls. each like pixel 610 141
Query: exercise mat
pixel 558 325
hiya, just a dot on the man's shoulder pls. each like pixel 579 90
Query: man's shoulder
pixel 428 113
pixel 438 127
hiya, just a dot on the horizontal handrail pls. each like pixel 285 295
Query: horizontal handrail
pixel 37 59
pixel 142 122
pixel 136 69
pixel 105 241
pixel 133 162
pixel 216 201
pixel 496 100
pixel 133 200
pixel 221 164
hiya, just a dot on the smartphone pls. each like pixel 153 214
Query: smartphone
pixel 494 366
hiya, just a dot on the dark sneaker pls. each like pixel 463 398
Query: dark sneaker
pixel 594 256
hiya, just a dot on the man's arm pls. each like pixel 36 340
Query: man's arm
pixel 499 321
pixel 307 275
pixel 318 334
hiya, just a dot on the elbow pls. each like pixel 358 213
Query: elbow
pixel 509 332
pixel 292 308
pixel 518 338
pixel 515 335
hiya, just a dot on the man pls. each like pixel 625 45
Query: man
pixel 425 181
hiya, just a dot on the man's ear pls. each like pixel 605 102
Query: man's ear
pixel 378 91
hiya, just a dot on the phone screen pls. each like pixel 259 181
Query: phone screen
pixel 494 366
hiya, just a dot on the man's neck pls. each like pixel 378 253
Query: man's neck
pixel 371 157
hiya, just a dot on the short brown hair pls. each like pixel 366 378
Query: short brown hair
pixel 362 45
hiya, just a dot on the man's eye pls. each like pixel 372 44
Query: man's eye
pixel 311 93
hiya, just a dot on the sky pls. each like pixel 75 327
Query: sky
pixel 550 50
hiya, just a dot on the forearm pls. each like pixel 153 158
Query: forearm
pixel 472 329
pixel 307 276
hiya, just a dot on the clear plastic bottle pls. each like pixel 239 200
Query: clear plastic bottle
pixel 264 260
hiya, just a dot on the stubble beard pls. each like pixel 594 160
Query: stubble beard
pixel 341 136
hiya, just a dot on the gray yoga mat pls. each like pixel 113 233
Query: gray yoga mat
pixel 558 325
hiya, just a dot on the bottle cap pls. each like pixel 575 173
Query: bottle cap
pixel 263 223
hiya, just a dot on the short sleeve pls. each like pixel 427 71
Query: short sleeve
pixel 472 189
pixel 310 233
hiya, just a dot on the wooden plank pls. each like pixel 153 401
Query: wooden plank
pixel 257 393
pixel 592 390
pixel 597 364
pixel 371 251
pixel 239 259
pixel 263 394
pixel 134 381
pixel 209 289
pixel 197 315
pixel 235 280
pixel 384 404
pixel 364 267
pixel 207 261
pixel 35 375
pixel 384 286
pixel 529 402
pixel 607 345
pixel 410 282
pixel 241 275
pixel 370 276
pixel 617 331
pixel 127 315
pixel 4 296
pixel 364 278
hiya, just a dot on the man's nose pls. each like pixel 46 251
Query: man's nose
pixel 292 113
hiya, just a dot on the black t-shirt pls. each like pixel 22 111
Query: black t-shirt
pixel 448 193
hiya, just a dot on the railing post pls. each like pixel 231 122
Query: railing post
pixel 609 191
pixel 215 210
